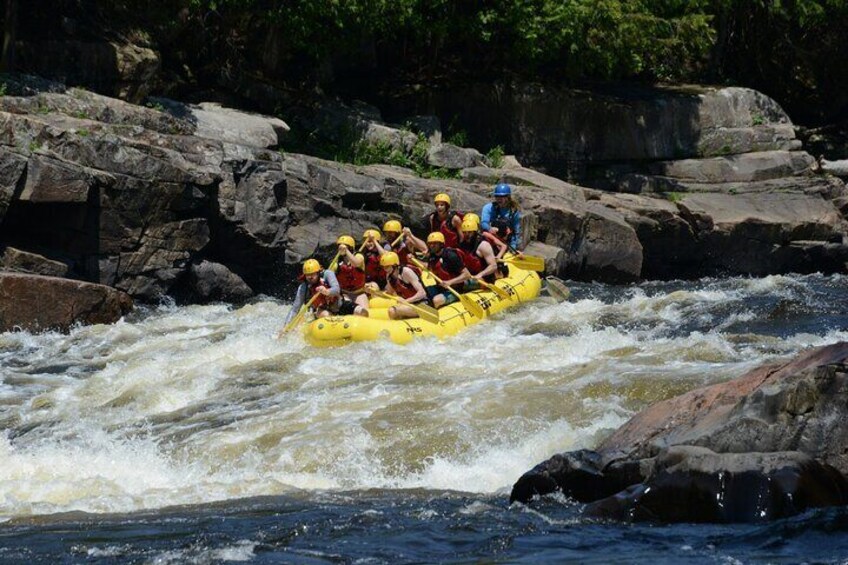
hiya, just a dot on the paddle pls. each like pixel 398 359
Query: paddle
pixel 296 320
pixel 334 264
pixel 527 262
pixel 427 313
pixel 496 289
pixel 475 309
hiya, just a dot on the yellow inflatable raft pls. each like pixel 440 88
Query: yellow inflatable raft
pixel 522 286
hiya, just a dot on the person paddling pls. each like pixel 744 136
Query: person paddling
pixel 322 288
pixel 446 221
pixel 446 264
pixel 391 232
pixel 404 282
pixel 477 253
pixel 351 275
pixel 372 251
pixel 502 216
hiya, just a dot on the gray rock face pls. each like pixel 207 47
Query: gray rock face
pixel 766 445
pixel 210 282
pixel 133 197
pixel 450 156
pixel 25 262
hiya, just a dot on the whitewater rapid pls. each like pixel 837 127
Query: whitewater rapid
pixel 184 405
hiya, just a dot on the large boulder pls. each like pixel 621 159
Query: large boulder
pixel 766 445
pixel 37 303
pixel 797 405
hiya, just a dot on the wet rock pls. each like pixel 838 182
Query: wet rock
pixel 37 303
pixel 693 484
pixel 580 475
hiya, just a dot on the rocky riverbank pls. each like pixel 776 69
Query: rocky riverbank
pixel 198 201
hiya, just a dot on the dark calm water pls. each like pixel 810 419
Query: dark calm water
pixel 190 435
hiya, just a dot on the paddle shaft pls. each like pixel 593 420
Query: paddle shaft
pixel 291 325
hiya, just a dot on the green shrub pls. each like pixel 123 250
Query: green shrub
pixel 495 155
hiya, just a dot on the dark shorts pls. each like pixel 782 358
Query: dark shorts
pixel 346 308
pixel 435 290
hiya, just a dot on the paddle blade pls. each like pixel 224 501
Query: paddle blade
pixel 528 263
pixel 297 319
pixel 427 313
pixel 496 289
pixel 471 305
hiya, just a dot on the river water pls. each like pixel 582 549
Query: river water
pixel 190 434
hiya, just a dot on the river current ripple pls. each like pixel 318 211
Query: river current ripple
pixel 190 434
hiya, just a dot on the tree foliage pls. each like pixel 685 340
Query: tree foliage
pixel 791 49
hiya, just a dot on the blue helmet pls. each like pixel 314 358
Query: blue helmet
pixel 502 189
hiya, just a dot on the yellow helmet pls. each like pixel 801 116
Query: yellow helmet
pixel 436 237
pixel 389 259
pixel 311 266
pixel 442 197
pixel 469 224
pixel 472 216
pixel 375 233
pixel 346 240
pixel 393 226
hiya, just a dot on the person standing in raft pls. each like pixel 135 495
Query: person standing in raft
pixel 351 274
pixel 477 253
pixel 446 221
pixel 445 263
pixel 321 282
pixel 372 251
pixel 404 282
pixel 502 217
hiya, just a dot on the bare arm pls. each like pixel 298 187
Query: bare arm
pixel 411 278
pixel 488 255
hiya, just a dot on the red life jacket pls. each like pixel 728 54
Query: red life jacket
pixel 446 227
pixel 321 302
pixel 373 271
pixel 401 287
pixel 350 278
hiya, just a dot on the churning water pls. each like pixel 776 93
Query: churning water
pixel 191 434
